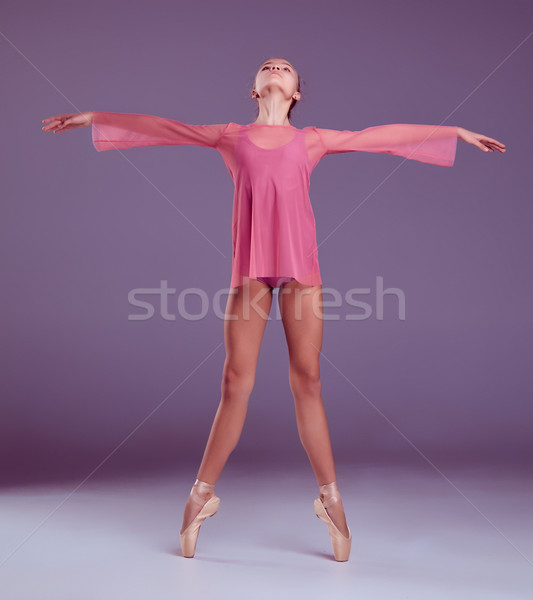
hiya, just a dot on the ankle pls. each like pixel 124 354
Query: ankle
pixel 202 491
pixel 329 493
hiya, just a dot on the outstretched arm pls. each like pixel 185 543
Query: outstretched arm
pixel 431 144
pixel 436 145
pixel 127 130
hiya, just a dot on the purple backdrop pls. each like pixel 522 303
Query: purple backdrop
pixel 82 383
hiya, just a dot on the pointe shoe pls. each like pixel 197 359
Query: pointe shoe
pixel 189 536
pixel 341 544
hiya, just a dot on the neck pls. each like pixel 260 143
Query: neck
pixel 273 110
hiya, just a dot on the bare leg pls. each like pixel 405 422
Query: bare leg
pixel 301 314
pixel 247 311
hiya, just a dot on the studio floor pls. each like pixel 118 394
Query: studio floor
pixel 417 534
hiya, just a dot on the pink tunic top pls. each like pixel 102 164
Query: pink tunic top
pixel 273 225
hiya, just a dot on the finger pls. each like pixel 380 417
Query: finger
pixel 56 118
pixel 493 141
pixel 54 125
pixel 496 147
pixel 50 125
pixel 64 123
pixel 496 142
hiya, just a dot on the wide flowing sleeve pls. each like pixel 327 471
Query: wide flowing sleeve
pixel 112 130
pixel 433 144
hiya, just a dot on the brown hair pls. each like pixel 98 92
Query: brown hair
pixel 293 103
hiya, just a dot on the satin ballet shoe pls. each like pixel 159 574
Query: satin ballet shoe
pixel 189 536
pixel 341 544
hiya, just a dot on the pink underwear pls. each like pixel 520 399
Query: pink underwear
pixel 274 282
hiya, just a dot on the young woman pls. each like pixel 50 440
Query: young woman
pixel 274 245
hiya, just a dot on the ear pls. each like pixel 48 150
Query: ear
pixel 297 96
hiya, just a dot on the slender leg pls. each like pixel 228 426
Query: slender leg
pixel 301 313
pixel 247 311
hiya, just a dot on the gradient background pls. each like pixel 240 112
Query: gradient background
pixel 83 387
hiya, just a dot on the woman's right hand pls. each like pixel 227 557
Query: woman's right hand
pixel 67 121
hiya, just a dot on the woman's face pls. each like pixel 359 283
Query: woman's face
pixel 277 72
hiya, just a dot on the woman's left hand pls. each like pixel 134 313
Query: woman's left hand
pixel 483 142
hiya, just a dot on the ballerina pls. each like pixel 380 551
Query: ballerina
pixel 274 246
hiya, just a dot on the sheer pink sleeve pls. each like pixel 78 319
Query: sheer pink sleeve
pixel 127 130
pixel 431 144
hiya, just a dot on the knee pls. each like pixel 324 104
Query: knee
pixel 305 377
pixel 236 382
